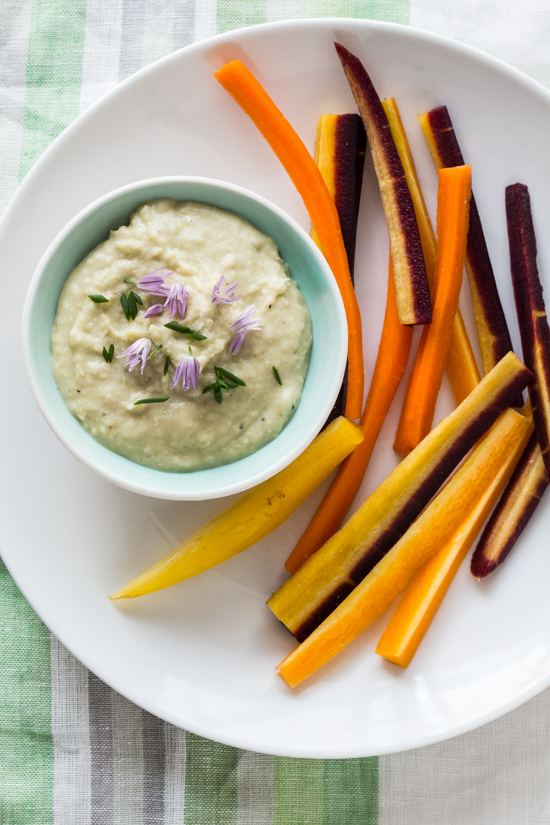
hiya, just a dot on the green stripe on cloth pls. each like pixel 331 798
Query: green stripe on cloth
pixel 392 11
pixel 26 756
pixel 54 74
pixel 326 792
pixel 210 782
pixel 351 791
pixel 235 15
pixel 299 791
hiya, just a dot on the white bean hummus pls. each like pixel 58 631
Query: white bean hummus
pixel 197 252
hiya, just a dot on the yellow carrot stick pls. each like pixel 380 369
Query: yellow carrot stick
pixel 254 515
pixel 434 526
pixel 426 590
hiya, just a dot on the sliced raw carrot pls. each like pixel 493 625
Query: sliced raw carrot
pixel 425 381
pixel 461 363
pixel 513 512
pixel 329 575
pixel 434 526
pixel 492 329
pixel 252 516
pixel 340 156
pixel 426 590
pixel 243 87
pixel 391 363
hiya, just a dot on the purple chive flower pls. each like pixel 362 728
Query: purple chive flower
pixel 222 294
pixel 153 283
pixel 243 324
pixel 138 351
pixel 187 371
pixel 155 309
pixel 177 298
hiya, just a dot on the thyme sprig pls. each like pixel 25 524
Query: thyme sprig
pixel 191 333
pixel 225 381
pixel 129 305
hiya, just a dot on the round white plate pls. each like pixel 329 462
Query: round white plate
pixel 202 654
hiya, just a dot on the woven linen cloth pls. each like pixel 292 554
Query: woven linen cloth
pixel 72 751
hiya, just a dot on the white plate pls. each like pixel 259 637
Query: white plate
pixel 202 654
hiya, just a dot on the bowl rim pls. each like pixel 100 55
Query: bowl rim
pixel 124 480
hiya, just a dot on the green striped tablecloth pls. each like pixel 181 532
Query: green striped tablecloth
pixel 72 752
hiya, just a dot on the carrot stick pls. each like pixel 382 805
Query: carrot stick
pixel 391 363
pixel 492 329
pixel 243 87
pixel 434 526
pixel 340 157
pixel 461 364
pixel 425 380
pixel 426 590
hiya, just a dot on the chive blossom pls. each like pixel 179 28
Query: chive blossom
pixel 187 371
pixel 241 325
pixel 138 351
pixel 222 293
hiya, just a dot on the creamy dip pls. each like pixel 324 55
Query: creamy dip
pixel 196 244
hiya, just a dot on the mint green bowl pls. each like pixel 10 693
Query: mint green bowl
pixel 308 268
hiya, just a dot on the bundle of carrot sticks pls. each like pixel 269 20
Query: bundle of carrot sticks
pixel 413 532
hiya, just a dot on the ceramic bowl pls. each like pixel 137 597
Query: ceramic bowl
pixel 308 268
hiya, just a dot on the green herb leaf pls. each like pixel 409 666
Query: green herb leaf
pixel 166 364
pixel 221 373
pixel 217 393
pixel 129 305
pixel 98 299
pixel 153 351
pixel 208 388
pixel 108 354
pixel 127 281
pixel 191 333
pixel 151 400
pixel 277 376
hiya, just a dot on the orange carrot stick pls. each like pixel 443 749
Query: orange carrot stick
pixel 461 363
pixel 243 87
pixel 426 590
pixel 425 380
pixel 391 363
pixel 441 518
